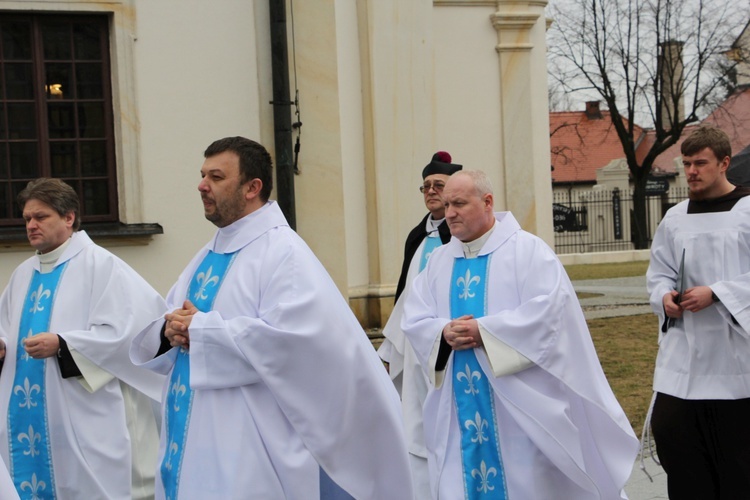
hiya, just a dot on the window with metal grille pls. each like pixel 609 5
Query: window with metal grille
pixel 56 110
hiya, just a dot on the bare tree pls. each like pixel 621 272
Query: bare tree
pixel 661 61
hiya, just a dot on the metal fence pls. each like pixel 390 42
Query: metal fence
pixel 600 220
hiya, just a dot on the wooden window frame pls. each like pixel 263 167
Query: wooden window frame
pixel 41 101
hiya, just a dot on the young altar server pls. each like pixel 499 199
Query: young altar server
pixel 699 285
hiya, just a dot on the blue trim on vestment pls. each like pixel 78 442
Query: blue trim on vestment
pixel 481 459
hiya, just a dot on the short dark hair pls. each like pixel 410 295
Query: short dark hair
pixel 57 194
pixel 707 136
pixel 255 162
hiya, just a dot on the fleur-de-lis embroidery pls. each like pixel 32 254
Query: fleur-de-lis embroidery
pixel 32 437
pixel 484 477
pixel 34 487
pixel 37 297
pixel 28 391
pixel 469 376
pixel 479 424
pixel 172 453
pixel 205 279
pixel 466 281
pixel 178 389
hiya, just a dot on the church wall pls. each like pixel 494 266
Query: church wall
pixel 383 85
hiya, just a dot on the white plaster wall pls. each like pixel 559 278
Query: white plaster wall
pixel 319 189
pixel 467 96
pixel 401 83
pixel 383 85
pixel 196 81
pixel 352 143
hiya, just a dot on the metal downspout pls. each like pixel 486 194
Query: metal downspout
pixel 282 115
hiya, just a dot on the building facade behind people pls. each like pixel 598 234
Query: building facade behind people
pixel 79 416
pixel 431 232
pixel 518 405
pixel 699 286
pixel 274 390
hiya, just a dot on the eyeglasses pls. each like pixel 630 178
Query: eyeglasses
pixel 437 186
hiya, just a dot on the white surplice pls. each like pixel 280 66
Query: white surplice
pixel 409 378
pixel 102 423
pixel 285 380
pixel 562 433
pixel 705 355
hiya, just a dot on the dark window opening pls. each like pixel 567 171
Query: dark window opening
pixel 56 116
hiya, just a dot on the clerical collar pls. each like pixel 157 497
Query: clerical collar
pixel 472 248
pixel 48 260
pixel 225 235
pixel 432 225
pixel 723 203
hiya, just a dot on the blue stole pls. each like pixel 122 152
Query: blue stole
pixel 481 459
pixel 430 244
pixel 28 426
pixel 202 291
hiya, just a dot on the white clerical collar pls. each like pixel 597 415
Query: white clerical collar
pixel 225 236
pixel 48 260
pixel 432 225
pixel 472 248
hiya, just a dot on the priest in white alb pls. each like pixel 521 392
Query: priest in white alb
pixel 274 389
pixel 519 406
pixel 79 419
pixel 404 369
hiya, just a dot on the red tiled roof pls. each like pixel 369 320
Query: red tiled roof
pixel 581 145
pixel 732 116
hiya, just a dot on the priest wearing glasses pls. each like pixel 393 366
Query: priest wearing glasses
pixel 407 376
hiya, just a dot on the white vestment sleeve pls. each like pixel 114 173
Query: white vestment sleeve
pixel 92 377
pixel 119 305
pixel 503 359
pixel 302 341
pixel 661 276
pixel 422 326
pixel 216 362
pixel 735 302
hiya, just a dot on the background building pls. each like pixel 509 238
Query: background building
pixel 121 97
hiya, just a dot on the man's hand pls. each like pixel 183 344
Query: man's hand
pixel 2 349
pixel 671 308
pixel 462 333
pixel 42 345
pixel 178 324
pixel 697 298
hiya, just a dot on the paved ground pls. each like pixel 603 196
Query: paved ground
pixel 625 297
pixel 614 297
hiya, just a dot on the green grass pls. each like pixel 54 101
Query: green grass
pixel 601 271
pixel 626 345
pixel 627 349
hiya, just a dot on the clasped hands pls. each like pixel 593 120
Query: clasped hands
pixel 693 300
pixel 40 346
pixel 178 324
pixel 462 333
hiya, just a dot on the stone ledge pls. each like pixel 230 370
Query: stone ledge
pixel 114 233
